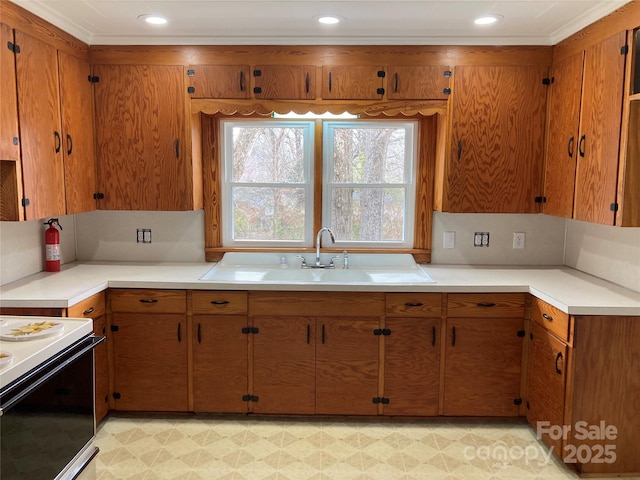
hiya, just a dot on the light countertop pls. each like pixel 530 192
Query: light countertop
pixel 571 291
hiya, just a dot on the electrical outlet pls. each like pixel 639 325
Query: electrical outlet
pixel 139 235
pixel 518 240
pixel 449 240
pixel 143 235
pixel 481 239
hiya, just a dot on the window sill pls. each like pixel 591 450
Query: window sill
pixel 214 254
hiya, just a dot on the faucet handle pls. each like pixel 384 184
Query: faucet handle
pixel 345 256
pixel 304 261
pixel 331 264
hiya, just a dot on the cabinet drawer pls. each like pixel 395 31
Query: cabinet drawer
pixel 486 305
pixel 551 318
pixel 146 300
pixel 91 307
pixel 413 304
pixel 219 303
pixel 317 304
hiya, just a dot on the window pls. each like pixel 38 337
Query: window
pixel 368 182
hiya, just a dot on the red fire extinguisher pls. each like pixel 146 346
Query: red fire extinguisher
pixel 52 245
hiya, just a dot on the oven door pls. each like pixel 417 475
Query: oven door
pixel 47 415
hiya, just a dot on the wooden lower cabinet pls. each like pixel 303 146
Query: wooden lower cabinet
pixel 150 362
pixel 220 363
pixel 347 351
pixel 483 358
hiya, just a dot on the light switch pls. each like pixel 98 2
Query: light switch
pixel 449 240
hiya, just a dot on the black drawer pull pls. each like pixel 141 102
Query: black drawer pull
pixel 486 304
pixel 558 358
pixel 241 81
pixel 219 302
pixel 199 334
pixel 179 332
pixel 413 304
pixel 88 311
pixel 547 317
pixel 453 336
pixel 308 334
pixel 148 300
pixel 307 83
pixel 433 342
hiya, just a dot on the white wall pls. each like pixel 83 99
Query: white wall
pixel 22 247
pixel 544 239
pixel 612 253
pixel 111 236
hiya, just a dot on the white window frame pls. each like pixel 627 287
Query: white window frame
pixel 409 184
pixel 227 183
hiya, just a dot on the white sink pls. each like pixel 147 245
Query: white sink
pixel 386 269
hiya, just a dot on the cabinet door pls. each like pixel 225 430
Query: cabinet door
pixel 599 142
pixel 347 365
pixel 150 362
pixel 220 363
pixel 498 120
pixel 140 138
pixel 218 81
pixel 77 133
pixel 284 365
pixel 418 82
pixel 483 360
pixel 9 144
pixel 562 141
pixel 352 82
pixel 546 382
pixel 285 82
pixel 412 366
pixel 40 139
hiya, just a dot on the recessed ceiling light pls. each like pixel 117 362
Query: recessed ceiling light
pixel 328 19
pixel 487 19
pixel 153 19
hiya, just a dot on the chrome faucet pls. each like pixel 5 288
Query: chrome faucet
pixel 318 243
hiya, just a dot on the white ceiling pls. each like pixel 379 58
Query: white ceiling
pixel 291 22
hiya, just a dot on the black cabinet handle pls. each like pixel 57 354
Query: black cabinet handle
pixel 241 81
pixel 56 135
pixel 413 304
pixel 69 144
pixel 307 83
pixel 558 358
pixel 433 341
pixel 323 334
pixel 219 302
pixel 148 300
pixel 88 311
pixel 179 332
pixel 570 146
pixel 547 317
pixel 453 336
pixel 395 84
pixel 177 144
pixel 581 145
pixel 459 149
pixel 308 334
pixel 199 334
pixel 330 82
pixel 486 305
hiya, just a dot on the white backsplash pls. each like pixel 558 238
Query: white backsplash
pixel 544 239
pixel 612 253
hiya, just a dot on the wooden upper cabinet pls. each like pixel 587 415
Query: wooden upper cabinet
pixel 562 137
pixel 346 82
pixel 218 81
pixel 285 82
pixel 9 137
pixel 141 147
pixel 40 132
pixel 497 140
pixel 77 133
pixel 418 82
pixel 599 138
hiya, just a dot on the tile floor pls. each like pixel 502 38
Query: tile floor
pixel 242 448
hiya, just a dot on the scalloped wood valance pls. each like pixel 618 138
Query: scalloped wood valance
pixel 268 107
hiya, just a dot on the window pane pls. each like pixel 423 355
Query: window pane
pixel 261 213
pixel 369 155
pixel 368 214
pixel 268 154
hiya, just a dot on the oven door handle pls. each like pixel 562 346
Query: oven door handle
pixel 95 341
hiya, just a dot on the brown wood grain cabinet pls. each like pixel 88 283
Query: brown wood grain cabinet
pixel 219 81
pixel 494 163
pixel 149 338
pixel 220 342
pixel 142 152
pixel 285 82
pixel 352 82
pixel 483 354
pixel 406 82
